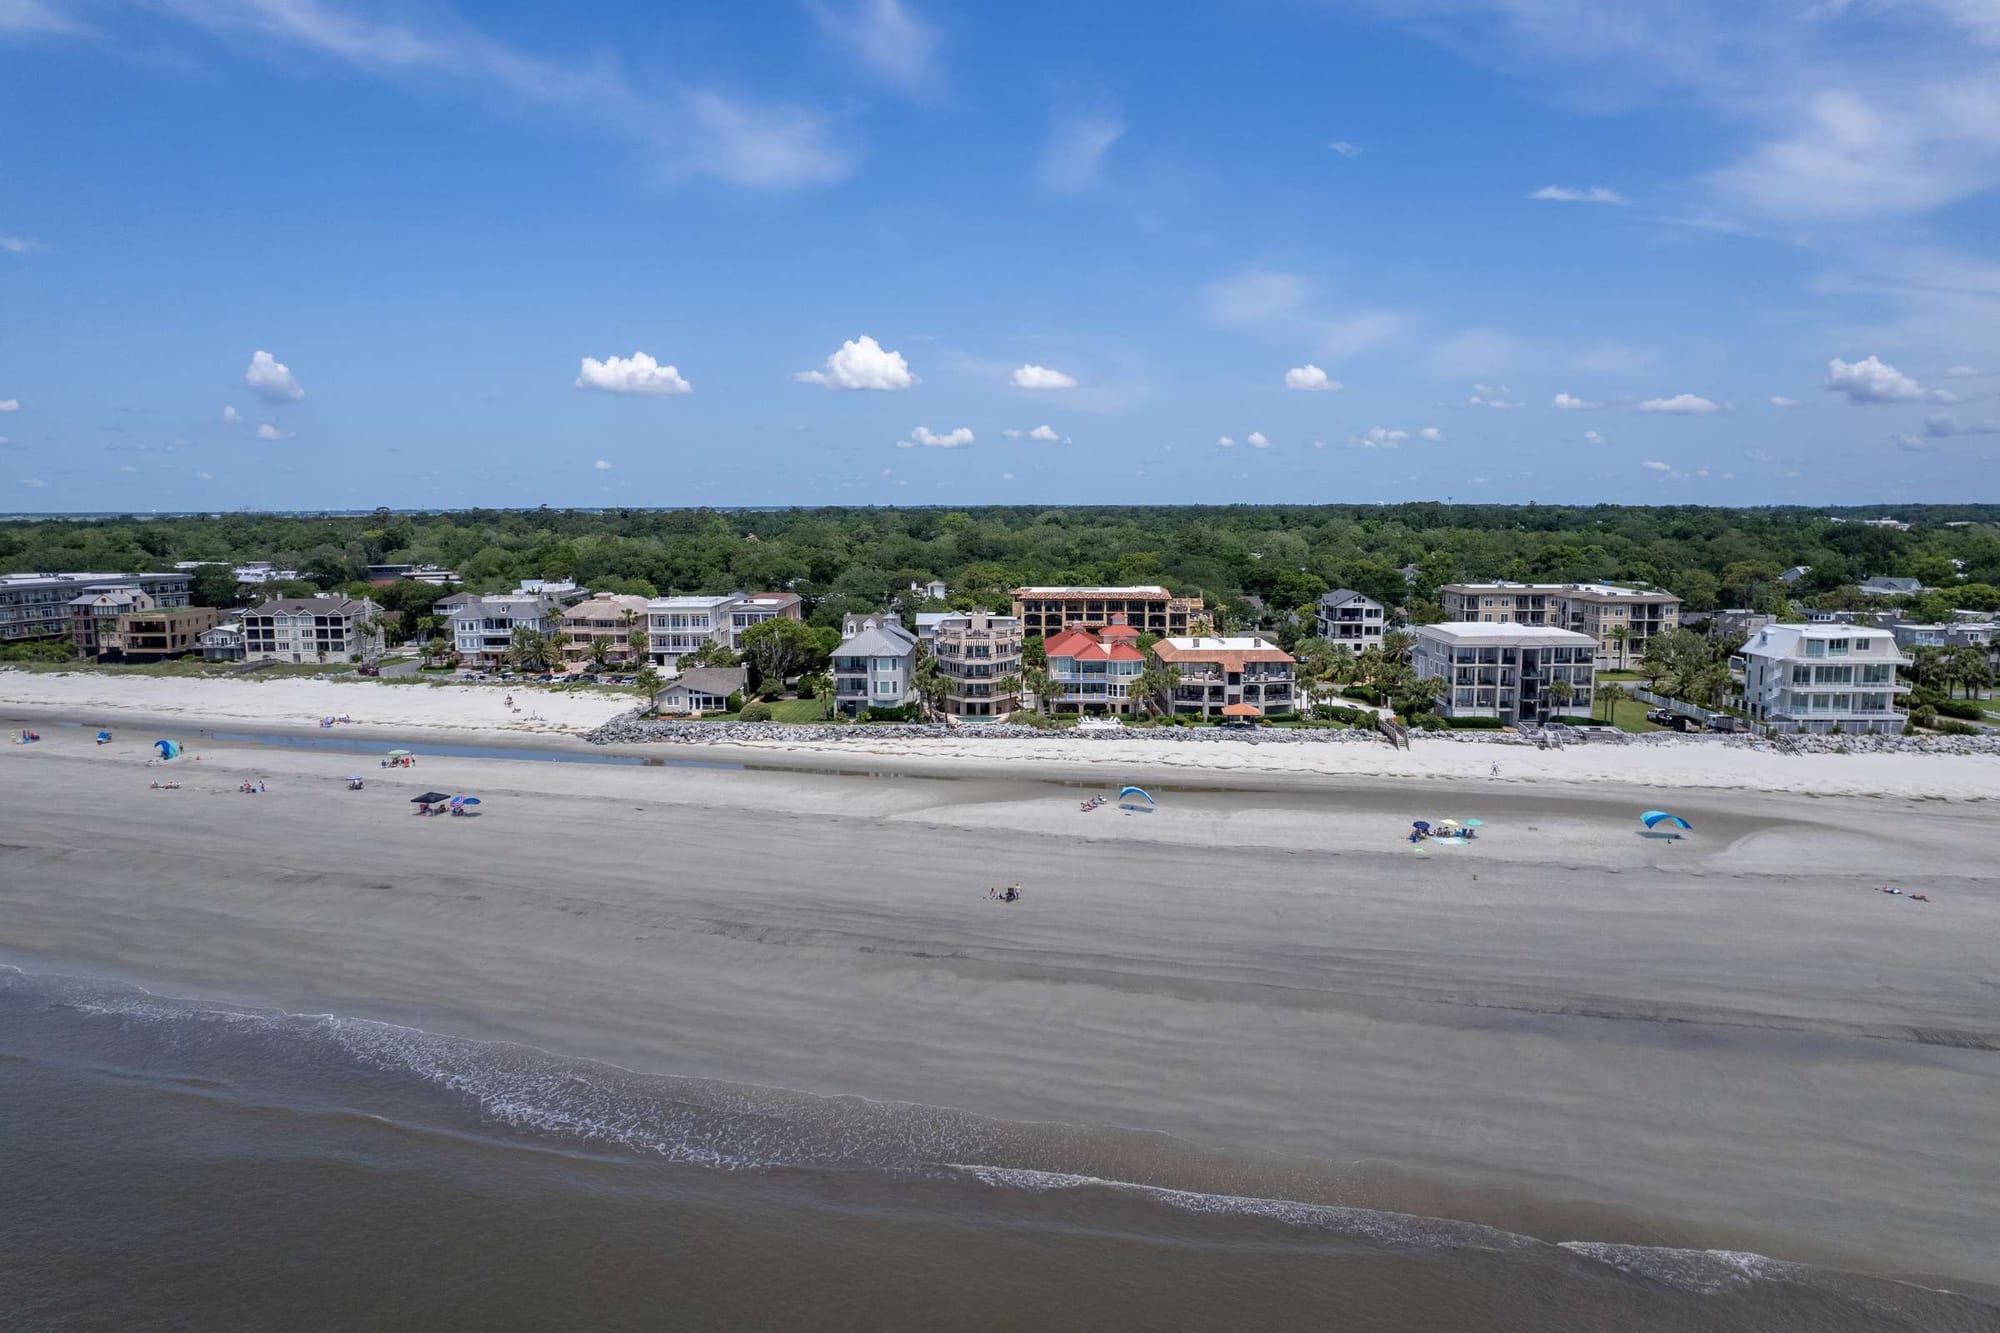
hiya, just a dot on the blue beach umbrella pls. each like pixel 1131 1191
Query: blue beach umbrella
pixel 465 800
pixel 1134 798
pixel 1421 825
pixel 1655 818
pixel 167 749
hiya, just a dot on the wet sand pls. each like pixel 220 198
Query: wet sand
pixel 1564 1028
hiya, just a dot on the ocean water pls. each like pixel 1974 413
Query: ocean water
pixel 174 1164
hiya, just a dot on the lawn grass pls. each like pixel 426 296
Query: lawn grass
pixel 1630 715
pixel 798 710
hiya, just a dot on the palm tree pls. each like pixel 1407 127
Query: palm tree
pixel 636 641
pixel 600 652
pixel 1154 686
pixel 1560 692
pixel 931 685
pixel 1621 636
pixel 1610 696
pixel 822 690
pixel 1008 686
pixel 1035 680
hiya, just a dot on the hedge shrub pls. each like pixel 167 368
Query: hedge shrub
pixel 756 712
pixel 1471 723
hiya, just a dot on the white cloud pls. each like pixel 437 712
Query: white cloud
pixel 930 439
pixel 1319 444
pixel 1006 476
pixel 1940 426
pixel 1014 433
pixel 1681 405
pixel 1042 433
pixel 1564 194
pixel 1914 444
pixel 862 363
pixel 1278 303
pixel 1571 404
pixel 204 476
pixel 127 467
pixel 1224 442
pixel 231 417
pixel 602 465
pixel 1345 149
pixel 1963 372
pixel 1431 433
pixel 10 404
pixel 1592 437
pixel 1873 380
pixel 634 374
pixel 271 379
pixel 33 483
pixel 1475 354
pixel 1779 400
pixel 1491 395
pixel 1256 440
pixel 1310 378
pixel 1073 159
pixel 896 47
pixel 1040 377
pixel 1379 437
pixel 1657 466
pixel 266 431
pixel 19 245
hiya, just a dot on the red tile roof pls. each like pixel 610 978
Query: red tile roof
pixel 1082 645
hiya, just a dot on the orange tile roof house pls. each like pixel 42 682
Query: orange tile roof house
pixel 1093 671
pixel 1218 672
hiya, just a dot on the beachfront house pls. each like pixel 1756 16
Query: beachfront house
pixel 701 690
pixel 223 643
pixel 94 616
pixel 157 633
pixel 1350 619
pixel 1093 671
pixel 1148 608
pixel 312 629
pixel 875 665
pixel 758 607
pixel 39 606
pixel 609 618
pixel 979 656
pixel 1506 671
pixel 679 625
pixel 1621 620
pixel 482 628
pixel 1819 677
pixel 1242 677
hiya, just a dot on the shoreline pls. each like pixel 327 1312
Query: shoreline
pixel 1723 1034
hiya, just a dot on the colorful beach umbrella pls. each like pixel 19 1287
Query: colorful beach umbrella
pixel 1655 818
pixel 167 749
pixel 1421 825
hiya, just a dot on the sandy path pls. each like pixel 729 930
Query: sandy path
pixel 1732 1040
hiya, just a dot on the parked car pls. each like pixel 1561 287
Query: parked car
pixel 368 669
pixel 1663 717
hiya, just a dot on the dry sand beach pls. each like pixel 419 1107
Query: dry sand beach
pixel 1565 1029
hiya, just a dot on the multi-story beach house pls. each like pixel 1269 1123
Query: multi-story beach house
pixel 979 656
pixel 681 624
pixel 1240 677
pixel 1353 620
pixel 875 665
pixel 224 643
pixel 1148 608
pixel 1506 670
pixel 1819 677
pixel 1094 671
pixel 609 618
pixel 312 629
pixel 37 606
pixel 150 635
pixel 1596 609
pixel 94 616
pixel 482 628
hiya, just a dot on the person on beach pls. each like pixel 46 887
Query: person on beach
pixel 1496 771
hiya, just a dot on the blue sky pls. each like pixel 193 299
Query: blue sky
pixel 867 251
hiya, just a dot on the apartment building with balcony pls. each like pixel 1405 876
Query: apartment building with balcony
pixel 758 607
pixel 312 629
pixel 681 624
pixel 1353 620
pixel 482 628
pixel 1506 670
pixel 1148 608
pixel 978 654
pixel 1094 671
pixel 1235 677
pixel 1818 677
pixel 150 635
pixel 94 617
pixel 875 665
pixel 1596 609
pixel 38 606
pixel 609 618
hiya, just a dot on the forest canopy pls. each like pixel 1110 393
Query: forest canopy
pixel 1243 559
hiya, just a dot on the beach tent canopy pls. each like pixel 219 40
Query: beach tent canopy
pixel 1135 796
pixel 430 798
pixel 104 735
pixel 167 749
pixel 465 800
pixel 399 754
pixel 1421 825
pixel 1242 710
pixel 1655 818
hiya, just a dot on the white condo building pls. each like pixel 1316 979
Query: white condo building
pixel 1506 671
pixel 1818 677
